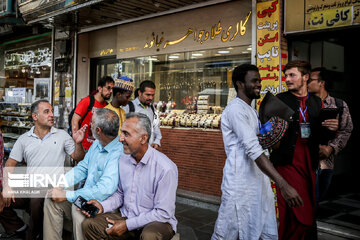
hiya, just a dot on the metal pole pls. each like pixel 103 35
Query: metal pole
pixel 75 68
pixel 52 68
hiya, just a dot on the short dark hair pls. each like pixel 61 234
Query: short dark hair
pixel 324 75
pixel 146 84
pixel 240 72
pixel 303 66
pixel 35 105
pixel 136 92
pixel 106 79
pixel 117 90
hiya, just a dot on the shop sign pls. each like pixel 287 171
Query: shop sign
pixel 321 5
pixel 331 18
pixel 356 13
pixel 320 14
pixel 33 58
pixel 223 25
pixel 268 47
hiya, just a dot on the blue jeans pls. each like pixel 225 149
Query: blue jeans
pixel 323 180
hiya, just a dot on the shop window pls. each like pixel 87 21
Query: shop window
pixel 194 86
pixel 181 78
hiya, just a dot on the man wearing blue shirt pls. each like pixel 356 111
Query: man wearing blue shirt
pixel 99 168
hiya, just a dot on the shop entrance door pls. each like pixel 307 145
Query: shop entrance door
pixel 338 51
pixel 100 67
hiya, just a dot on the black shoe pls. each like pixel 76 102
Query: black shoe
pixel 17 234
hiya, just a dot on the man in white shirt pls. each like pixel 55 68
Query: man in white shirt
pixel 247 208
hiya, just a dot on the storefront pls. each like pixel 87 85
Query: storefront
pixel 189 56
pixel 25 73
pixel 323 33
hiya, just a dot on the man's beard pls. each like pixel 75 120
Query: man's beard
pixel 105 98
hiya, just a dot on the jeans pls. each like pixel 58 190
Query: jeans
pixel 323 180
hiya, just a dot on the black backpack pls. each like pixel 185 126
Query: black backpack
pixel 91 105
pixel 132 107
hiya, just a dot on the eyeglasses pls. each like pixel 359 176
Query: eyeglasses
pixel 108 87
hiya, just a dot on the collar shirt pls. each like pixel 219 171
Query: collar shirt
pixel 154 119
pixel 343 134
pixel 47 152
pixel 99 168
pixel 147 190
pixel 246 191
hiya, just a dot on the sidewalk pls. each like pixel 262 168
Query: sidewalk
pixel 338 218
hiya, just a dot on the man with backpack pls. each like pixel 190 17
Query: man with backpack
pixel 122 91
pixel 84 110
pixel 319 84
pixel 143 104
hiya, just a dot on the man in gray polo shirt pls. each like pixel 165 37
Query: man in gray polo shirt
pixel 42 146
pixel 143 104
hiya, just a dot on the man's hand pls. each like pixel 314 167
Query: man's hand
pixel 57 195
pixel 331 124
pixel 325 151
pixel 79 135
pixel 155 146
pixel 291 196
pixel 119 227
pixel 8 196
pixel 96 204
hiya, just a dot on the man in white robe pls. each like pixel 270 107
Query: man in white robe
pixel 247 208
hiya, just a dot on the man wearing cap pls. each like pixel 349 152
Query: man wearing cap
pixel 143 104
pixel 318 85
pixel 247 209
pixel 122 91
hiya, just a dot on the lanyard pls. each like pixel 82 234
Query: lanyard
pixel 303 113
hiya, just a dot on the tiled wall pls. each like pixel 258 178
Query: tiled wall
pixel 199 156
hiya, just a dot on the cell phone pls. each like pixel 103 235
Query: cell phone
pixel 81 203
pixel 328 113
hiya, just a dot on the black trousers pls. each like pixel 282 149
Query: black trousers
pixel 11 222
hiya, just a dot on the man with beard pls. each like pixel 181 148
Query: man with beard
pixel 143 104
pixel 81 117
pixel 146 192
pixel 297 158
pixel 247 209
pixel 99 168
pixel 43 146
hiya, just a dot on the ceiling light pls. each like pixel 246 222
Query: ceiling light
pixel 223 51
pixel 173 57
pixel 249 48
pixel 197 54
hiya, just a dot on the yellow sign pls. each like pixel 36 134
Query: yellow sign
pixel 268 46
pixel 356 13
pixel 330 18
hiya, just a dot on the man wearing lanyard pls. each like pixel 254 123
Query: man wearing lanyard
pixel 143 104
pixel 297 158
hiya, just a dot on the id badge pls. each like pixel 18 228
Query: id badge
pixel 305 130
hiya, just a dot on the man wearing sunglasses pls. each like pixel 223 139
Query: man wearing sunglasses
pixel 82 116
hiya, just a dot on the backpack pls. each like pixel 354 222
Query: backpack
pixel 91 105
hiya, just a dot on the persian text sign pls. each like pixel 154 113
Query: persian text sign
pixel 331 18
pixel 224 25
pixel 268 46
